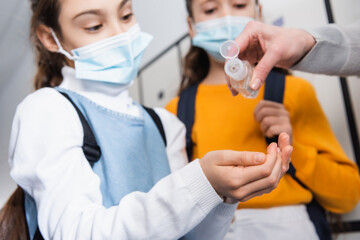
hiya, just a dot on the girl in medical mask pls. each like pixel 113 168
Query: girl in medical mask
pixel 222 121
pixel 135 187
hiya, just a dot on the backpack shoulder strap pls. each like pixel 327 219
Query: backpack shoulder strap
pixel 274 91
pixel 186 113
pixel 157 122
pixel 90 147
pixel 275 87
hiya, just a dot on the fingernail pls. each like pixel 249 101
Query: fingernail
pixel 278 150
pixel 259 158
pixel 255 84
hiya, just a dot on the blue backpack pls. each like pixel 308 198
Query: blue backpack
pixel 274 91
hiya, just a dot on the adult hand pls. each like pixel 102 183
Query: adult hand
pixel 273 118
pixel 240 176
pixel 272 46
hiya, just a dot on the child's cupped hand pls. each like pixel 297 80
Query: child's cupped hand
pixel 240 176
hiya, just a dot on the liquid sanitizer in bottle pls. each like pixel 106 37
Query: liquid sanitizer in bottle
pixel 240 72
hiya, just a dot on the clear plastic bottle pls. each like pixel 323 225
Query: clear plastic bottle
pixel 240 72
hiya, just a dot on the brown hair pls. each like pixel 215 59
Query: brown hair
pixel 13 225
pixel 196 62
pixel 49 64
pixel 196 67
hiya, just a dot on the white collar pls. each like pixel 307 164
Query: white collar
pixel 111 96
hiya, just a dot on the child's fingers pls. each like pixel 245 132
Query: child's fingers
pixel 267 112
pixel 254 173
pixel 268 104
pixel 286 158
pixel 235 158
pixel 263 185
pixel 284 140
pixel 286 150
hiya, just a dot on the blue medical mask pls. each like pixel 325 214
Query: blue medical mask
pixel 113 60
pixel 211 34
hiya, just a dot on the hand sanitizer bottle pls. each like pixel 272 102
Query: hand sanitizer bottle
pixel 240 72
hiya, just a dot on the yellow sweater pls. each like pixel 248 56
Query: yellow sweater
pixel 226 122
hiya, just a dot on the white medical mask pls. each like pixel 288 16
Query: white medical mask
pixel 113 60
pixel 212 33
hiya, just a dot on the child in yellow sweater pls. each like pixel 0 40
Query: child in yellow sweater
pixel 226 122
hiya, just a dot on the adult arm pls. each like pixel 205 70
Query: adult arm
pixel 329 50
pixel 336 52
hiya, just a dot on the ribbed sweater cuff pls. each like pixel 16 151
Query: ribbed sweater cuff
pixel 199 186
pixel 225 209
